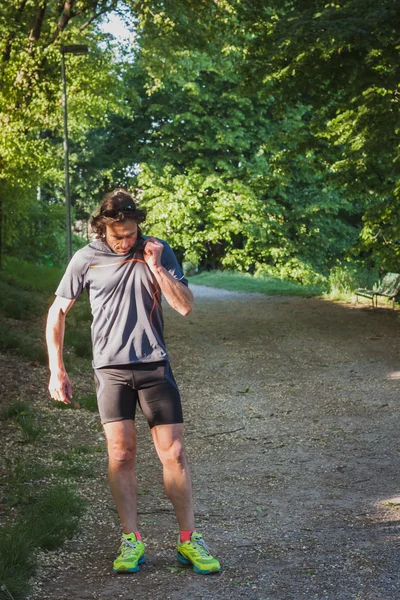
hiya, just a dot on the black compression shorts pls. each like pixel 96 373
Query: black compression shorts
pixel 152 385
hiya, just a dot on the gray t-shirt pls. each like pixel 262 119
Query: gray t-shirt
pixel 125 300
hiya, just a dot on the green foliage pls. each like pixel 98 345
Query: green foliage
pixel 341 59
pixel 347 278
pixel 47 520
pixel 31 153
pixel 24 295
pixel 47 523
pixel 255 131
pixel 234 175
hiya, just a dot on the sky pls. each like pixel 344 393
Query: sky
pixel 117 26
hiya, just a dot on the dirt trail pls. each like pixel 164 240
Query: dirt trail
pixel 291 410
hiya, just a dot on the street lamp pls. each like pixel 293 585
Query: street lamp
pixel 72 49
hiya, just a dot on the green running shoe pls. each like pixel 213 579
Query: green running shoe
pixel 131 555
pixel 197 554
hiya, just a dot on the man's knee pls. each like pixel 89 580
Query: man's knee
pixel 121 442
pixel 121 453
pixel 172 455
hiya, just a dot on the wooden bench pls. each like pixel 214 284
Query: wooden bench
pixel 389 287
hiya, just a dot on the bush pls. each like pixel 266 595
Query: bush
pixel 293 270
pixel 189 268
pixel 344 279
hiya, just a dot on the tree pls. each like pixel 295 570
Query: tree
pixel 30 112
pixel 232 174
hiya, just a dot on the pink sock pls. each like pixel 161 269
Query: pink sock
pixel 136 534
pixel 186 535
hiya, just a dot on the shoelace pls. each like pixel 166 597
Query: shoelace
pixel 127 546
pixel 201 546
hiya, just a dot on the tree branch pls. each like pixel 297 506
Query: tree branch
pixel 34 34
pixel 66 15
pixel 94 17
pixel 11 36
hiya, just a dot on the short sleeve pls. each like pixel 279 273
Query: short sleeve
pixel 73 281
pixel 170 262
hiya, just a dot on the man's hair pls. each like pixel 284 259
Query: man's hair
pixel 116 206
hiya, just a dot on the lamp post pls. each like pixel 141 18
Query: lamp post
pixel 72 49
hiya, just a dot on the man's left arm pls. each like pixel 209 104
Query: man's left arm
pixel 176 293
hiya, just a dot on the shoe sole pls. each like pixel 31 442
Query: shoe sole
pixel 187 562
pixel 133 570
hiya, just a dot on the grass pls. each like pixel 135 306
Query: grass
pixel 43 517
pixel 76 462
pixel 339 286
pixel 25 294
pixel 17 562
pixel 87 402
pixel 46 523
pixel 79 340
pixel 19 485
pixel 14 410
pixel 53 517
pixel 25 419
pixel 39 503
pixel 244 282
pixel 16 303
pixel 22 343
pixel 30 277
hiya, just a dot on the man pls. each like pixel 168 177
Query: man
pixel 124 273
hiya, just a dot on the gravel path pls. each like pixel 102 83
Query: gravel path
pixel 291 410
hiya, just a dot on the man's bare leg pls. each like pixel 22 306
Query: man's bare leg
pixel 177 481
pixel 121 443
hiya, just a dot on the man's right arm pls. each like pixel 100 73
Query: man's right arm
pixel 60 385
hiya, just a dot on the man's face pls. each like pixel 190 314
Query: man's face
pixel 122 236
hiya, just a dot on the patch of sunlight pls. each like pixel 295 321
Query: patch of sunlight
pixel 392 502
pixel 393 375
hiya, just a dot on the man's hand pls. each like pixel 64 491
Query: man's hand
pixel 176 293
pixel 60 387
pixel 152 253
